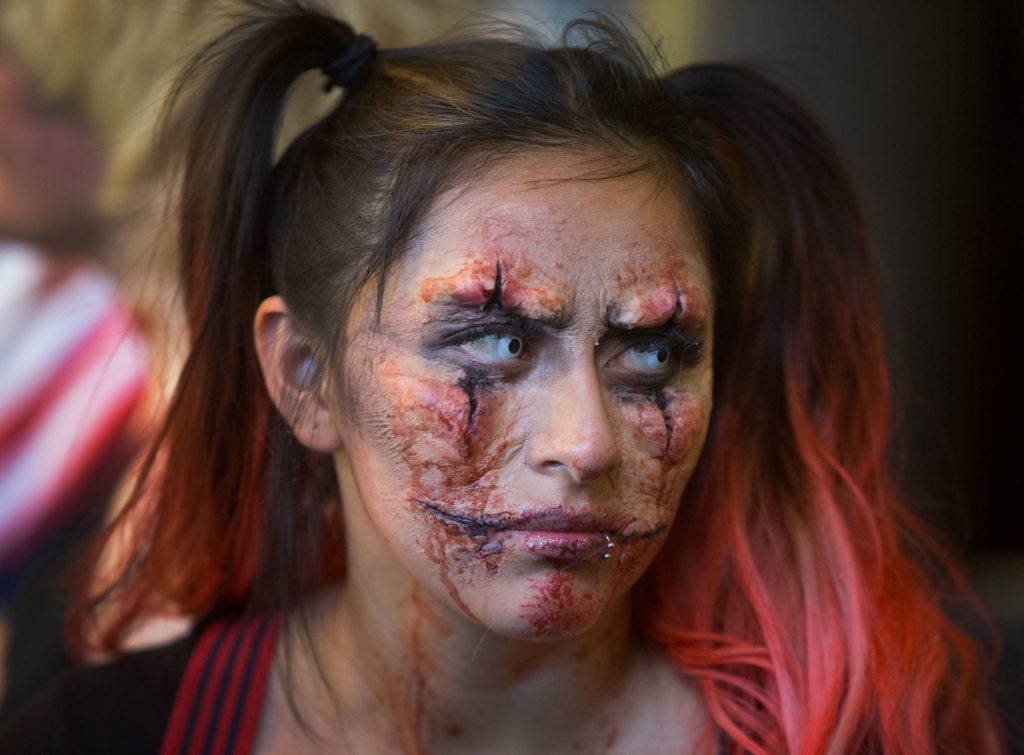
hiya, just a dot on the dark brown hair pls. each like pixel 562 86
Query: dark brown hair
pixel 783 594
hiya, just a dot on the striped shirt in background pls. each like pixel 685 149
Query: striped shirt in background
pixel 73 367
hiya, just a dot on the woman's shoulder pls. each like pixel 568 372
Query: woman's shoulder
pixel 121 706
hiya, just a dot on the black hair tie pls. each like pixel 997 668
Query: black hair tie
pixel 347 70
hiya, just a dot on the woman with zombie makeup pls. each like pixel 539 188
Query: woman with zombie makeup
pixel 536 402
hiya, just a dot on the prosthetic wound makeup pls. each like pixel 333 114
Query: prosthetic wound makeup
pixel 531 412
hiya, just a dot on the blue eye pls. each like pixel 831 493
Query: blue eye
pixel 649 357
pixel 496 348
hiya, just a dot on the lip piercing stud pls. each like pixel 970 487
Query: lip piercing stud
pixel 608 545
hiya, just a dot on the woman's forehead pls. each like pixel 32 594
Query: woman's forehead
pixel 551 238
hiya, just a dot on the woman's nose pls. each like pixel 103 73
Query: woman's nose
pixel 575 434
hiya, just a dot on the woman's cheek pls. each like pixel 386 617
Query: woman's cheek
pixel 685 420
pixel 668 426
pixel 661 437
pixel 661 440
pixel 424 417
pixel 448 437
pixel 647 427
pixel 445 443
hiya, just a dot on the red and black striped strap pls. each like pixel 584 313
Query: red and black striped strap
pixel 217 706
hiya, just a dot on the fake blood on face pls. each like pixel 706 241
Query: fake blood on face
pixel 553 607
pixel 437 549
pixel 446 435
pixel 455 432
pixel 454 439
pixel 442 437
pixel 455 445
pixel 668 426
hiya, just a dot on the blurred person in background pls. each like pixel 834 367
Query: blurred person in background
pixel 72 372
pixel 83 203
pixel 357 508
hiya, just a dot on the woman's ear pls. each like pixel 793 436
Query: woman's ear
pixel 294 376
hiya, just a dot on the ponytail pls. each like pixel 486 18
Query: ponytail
pixel 225 475
pixel 820 633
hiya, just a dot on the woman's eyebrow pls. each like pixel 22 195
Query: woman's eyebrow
pixel 682 306
pixel 613 319
pixel 461 314
pixel 458 312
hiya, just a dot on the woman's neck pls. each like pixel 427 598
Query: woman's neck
pixel 405 665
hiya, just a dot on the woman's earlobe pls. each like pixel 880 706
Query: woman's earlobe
pixel 294 376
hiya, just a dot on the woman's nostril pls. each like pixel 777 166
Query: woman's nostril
pixel 595 467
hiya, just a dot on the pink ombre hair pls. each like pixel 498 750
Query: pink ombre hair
pixel 796 588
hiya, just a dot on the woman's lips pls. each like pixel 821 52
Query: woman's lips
pixel 555 532
pixel 562 546
pixel 551 520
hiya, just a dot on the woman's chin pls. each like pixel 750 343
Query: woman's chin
pixel 545 605
pixel 518 592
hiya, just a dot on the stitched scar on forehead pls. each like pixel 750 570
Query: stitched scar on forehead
pixel 488 282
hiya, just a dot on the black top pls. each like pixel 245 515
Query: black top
pixel 119 707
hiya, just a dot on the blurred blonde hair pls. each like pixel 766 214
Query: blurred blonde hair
pixel 115 60
pixel 112 60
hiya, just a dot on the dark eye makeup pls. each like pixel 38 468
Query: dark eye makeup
pixel 504 343
pixel 653 358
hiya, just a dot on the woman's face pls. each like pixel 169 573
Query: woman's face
pixel 536 397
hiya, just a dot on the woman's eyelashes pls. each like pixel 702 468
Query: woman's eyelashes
pixel 496 348
pixel 629 359
pixel 654 360
pixel 502 346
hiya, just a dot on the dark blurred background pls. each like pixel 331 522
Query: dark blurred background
pixel 924 100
